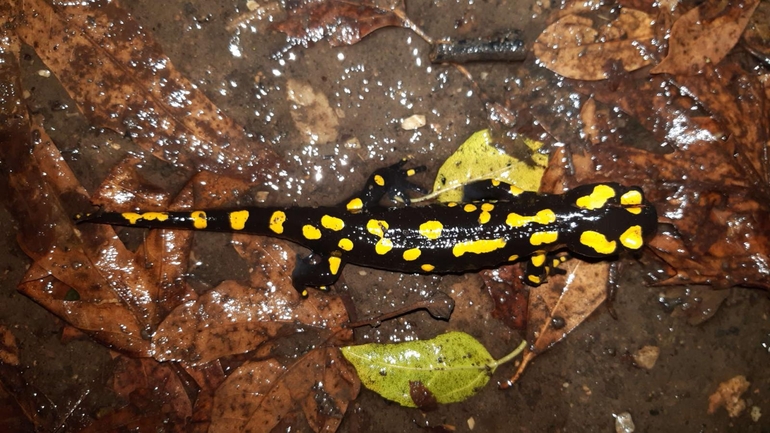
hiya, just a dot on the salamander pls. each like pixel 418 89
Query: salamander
pixel 495 223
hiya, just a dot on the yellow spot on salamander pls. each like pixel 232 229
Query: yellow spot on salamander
pixel 377 227
pixel 598 242
pixel 133 217
pixel 412 254
pixel 383 246
pixel 513 258
pixel 545 216
pixel 332 223
pixel 276 221
pixel 427 268
pixel 304 293
pixel 632 238
pixel 487 207
pixel 431 229
pixel 151 216
pixel 469 207
pixel 345 244
pixel 495 182
pixel 379 180
pixel 478 247
pixel 411 172
pixel 334 264
pixel 541 238
pixel 199 219
pixel 631 198
pixel 310 232
pixel 597 198
pixel 484 217
pixel 355 205
pixel 452 204
pixel 534 279
pixel 515 190
pixel 238 219
pixel 538 259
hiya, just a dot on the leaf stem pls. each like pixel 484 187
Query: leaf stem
pixel 509 356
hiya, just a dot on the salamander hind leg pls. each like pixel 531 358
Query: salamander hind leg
pixel 316 270
pixel 391 181
pixel 543 265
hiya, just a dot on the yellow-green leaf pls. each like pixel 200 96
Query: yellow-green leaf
pixel 452 366
pixel 478 159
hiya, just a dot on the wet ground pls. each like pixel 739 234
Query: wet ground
pixel 360 95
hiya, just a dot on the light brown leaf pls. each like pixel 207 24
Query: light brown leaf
pixel 577 47
pixel 704 35
pixel 558 307
pixel 257 396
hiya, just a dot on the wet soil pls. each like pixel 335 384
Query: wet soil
pixel 577 386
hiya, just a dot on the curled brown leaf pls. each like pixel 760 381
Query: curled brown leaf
pixel 704 35
pixel 577 47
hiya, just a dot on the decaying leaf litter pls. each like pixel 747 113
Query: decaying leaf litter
pixel 725 196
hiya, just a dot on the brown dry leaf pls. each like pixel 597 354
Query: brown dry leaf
pixel 704 35
pixel 260 395
pixel 577 47
pixel 341 22
pixel 757 33
pixel 123 189
pixel 233 318
pixel 153 387
pixel 558 307
pixel 120 79
pixel 114 295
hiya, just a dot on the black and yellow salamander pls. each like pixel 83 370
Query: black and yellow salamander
pixel 496 223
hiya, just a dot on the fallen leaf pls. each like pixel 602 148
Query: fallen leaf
pixel 477 158
pixel 559 306
pixel 580 48
pixel 704 35
pixel 157 386
pixel 120 79
pixel 452 366
pixel 757 33
pixel 341 22
pixel 259 394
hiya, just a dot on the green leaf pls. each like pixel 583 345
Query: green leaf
pixel 478 159
pixel 452 366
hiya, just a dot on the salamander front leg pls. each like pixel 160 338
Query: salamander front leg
pixel 317 271
pixel 492 189
pixel 391 181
